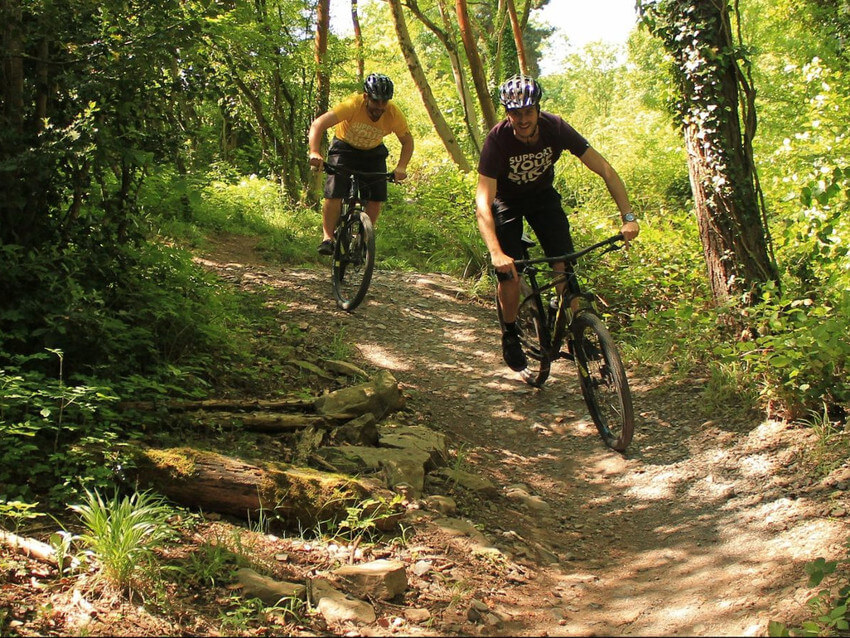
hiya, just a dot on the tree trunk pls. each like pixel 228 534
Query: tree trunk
pixel 718 121
pixel 476 68
pixel 440 125
pixel 323 85
pixel 358 42
pixel 446 36
pixel 13 65
pixel 517 31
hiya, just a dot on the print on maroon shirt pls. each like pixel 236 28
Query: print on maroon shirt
pixel 522 170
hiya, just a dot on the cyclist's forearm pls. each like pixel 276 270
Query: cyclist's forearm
pixel 406 152
pixel 317 132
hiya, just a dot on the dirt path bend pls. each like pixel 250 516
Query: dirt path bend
pixel 702 528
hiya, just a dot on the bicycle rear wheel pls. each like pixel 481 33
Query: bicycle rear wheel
pixel 353 261
pixel 531 325
pixel 603 380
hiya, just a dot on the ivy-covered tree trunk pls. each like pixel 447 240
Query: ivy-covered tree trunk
pixel 718 122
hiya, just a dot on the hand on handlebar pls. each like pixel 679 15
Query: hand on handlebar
pixel 629 230
pixel 504 266
pixel 316 162
pixel 399 174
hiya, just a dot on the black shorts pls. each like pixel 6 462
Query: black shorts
pixel 373 160
pixel 546 218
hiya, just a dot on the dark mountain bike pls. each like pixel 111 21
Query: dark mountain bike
pixel 354 240
pixel 544 328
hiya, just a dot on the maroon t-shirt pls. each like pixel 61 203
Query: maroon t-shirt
pixel 523 170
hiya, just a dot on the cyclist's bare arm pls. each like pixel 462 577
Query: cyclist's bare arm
pixel 317 134
pixel 400 171
pixel 484 196
pixel 599 165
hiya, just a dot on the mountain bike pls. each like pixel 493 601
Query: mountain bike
pixel 354 240
pixel 572 317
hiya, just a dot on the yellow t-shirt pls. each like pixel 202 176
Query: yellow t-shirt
pixel 356 127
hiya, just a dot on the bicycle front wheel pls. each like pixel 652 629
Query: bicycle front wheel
pixel 353 261
pixel 531 325
pixel 603 380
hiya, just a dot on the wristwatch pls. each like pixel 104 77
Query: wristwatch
pixel 629 217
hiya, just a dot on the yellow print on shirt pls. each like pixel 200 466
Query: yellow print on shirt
pixel 529 166
pixel 362 135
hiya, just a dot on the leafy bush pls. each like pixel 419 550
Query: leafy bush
pixel 800 355
pixel 829 607
pixel 52 436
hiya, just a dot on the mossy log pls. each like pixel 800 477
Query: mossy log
pixel 212 482
pixel 234 405
pixel 267 421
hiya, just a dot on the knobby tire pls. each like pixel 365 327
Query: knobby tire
pixel 353 261
pixel 533 334
pixel 603 380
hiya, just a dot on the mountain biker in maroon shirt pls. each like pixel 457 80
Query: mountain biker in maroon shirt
pixel 516 173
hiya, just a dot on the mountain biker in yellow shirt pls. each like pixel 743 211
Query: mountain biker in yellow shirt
pixel 361 122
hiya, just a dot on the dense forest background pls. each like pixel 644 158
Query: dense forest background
pixel 131 130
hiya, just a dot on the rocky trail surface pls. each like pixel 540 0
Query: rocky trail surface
pixel 701 528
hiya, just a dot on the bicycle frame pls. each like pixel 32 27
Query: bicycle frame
pixel 555 331
pixel 355 177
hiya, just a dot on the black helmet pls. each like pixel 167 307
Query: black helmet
pixel 519 91
pixel 378 87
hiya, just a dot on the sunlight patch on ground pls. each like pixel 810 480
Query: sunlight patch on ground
pixel 454 318
pixel 382 358
pixel 710 488
pixel 464 336
pixel 828 536
pixel 656 487
pixel 757 465
pixel 794 541
pixel 419 314
pixel 686 612
pixel 606 464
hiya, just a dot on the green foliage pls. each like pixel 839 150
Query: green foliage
pixel 429 224
pixel 211 565
pixel 52 439
pixel 831 443
pixel 363 519
pixel 800 354
pixel 828 608
pixel 123 533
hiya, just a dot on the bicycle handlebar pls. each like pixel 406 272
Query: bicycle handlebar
pixel 334 169
pixel 610 242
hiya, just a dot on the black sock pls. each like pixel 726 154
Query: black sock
pixel 511 327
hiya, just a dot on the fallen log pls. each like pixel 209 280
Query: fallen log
pixel 29 547
pixel 297 497
pixel 234 405
pixel 265 421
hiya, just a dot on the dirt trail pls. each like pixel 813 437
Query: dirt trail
pixel 702 528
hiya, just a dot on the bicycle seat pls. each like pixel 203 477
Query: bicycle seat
pixel 527 241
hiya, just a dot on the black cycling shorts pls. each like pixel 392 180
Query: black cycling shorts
pixel 373 160
pixel 546 218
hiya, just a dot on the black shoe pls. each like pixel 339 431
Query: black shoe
pixel 512 352
pixel 326 247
